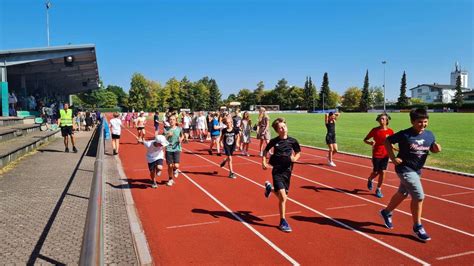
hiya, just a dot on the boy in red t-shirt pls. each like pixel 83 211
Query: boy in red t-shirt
pixel 379 153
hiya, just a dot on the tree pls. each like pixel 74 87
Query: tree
pixel 138 92
pixel 185 93
pixel 458 97
pixel 122 96
pixel 200 97
pixel 296 98
pixel 245 97
pixel 279 95
pixel 310 94
pixel 334 99
pixel 403 99
pixel 324 93
pixel 153 96
pixel 352 98
pixel 104 98
pixel 214 95
pixel 415 101
pixel 365 97
pixel 377 95
pixel 259 92
pixel 173 102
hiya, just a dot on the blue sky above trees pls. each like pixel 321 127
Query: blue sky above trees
pixel 239 43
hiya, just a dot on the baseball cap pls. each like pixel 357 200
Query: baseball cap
pixel 161 140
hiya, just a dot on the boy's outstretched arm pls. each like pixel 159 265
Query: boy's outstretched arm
pixel 295 157
pixel 391 154
pixel 435 148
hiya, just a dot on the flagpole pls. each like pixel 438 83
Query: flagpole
pixel 48 5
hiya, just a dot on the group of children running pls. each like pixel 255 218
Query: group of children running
pixel 414 145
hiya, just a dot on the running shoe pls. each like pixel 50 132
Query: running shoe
pixel 387 218
pixel 74 149
pixel 378 193
pixel 261 154
pixel 332 164
pixel 176 173
pixel 268 189
pixel 219 154
pixel 66 150
pixel 223 163
pixel 154 185
pixel 370 184
pixel 284 226
pixel 232 175
pixel 210 152
pixel 420 233
pixel 170 183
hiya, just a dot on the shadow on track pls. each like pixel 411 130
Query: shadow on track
pixel 355 191
pixel 244 215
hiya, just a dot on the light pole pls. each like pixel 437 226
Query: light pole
pixel 48 6
pixel 383 63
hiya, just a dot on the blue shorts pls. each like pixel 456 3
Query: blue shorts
pixel 410 183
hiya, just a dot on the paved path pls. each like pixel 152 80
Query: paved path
pixel 43 204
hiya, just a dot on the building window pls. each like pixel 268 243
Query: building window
pixel 420 90
pixel 428 98
pixel 433 90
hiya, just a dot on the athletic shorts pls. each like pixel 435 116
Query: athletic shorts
pixel 229 149
pixel 140 128
pixel 157 126
pixel 379 164
pixel 410 183
pixel 66 131
pixel 281 178
pixel 114 136
pixel 330 139
pixel 185 130
pixel 153 165
pixel 215 137
pixel 172 156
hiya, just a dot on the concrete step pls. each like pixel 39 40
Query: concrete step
pixel 10 120
pixel 18 130
pixel 17 147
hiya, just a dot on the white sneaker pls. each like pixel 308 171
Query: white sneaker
pixel 261 154
pixel 170 182
pixel 175 173
pixel 331 163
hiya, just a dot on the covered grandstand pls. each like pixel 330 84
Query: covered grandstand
pixel 46 75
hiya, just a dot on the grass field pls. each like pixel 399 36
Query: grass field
pixel 452 130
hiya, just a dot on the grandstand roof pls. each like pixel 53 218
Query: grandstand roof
pixel 48 67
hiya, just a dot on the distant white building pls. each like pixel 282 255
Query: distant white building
pixel 437 93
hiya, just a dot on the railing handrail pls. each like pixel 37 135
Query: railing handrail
pixel 92 241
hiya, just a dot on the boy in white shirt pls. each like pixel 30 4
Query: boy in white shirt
pixel 116 126
pixel 155 156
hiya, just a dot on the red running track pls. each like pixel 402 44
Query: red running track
pixel 207 218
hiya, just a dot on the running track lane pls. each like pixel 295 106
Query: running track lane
pixel 322 196
pixel 273 207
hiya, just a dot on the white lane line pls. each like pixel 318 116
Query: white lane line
pixel 236 216
pixel 346 207
pixel 334 220
pixel 276 214
pixel 455 255
pixel 189 225
pixel 376 203
pixel 459 193
pixel 388 185
pixel 369 167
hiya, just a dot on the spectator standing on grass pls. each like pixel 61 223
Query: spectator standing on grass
pixel 414 144
pixel 379 153
pixel 65 123
pixel 263 129
pixel 286 152
pixel 330 122
pixel 116 126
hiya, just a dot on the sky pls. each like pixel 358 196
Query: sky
pixel 242 42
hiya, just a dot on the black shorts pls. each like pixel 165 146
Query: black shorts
pixel 140 128
pixel 66 131
pixel 281 178
pixel 157 126
pixel 229 150
pixel 114 136
pixel 380 164
pixel 330 139
pixel 185 130
pixel 172 156
pixel 152 166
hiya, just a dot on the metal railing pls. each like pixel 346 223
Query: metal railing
pixel 92 249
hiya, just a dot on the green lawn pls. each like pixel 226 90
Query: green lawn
pixel 452 130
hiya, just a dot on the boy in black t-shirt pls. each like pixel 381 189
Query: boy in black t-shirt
pixel 286 151
pixel 414 143
pixel 230 137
